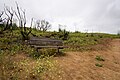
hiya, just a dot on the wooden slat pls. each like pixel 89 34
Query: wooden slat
pixel 50 46
pixel 46 42
pixel 39 43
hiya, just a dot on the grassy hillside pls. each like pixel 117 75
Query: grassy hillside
pixel 19 61
pixel 77 41
pixel 84 41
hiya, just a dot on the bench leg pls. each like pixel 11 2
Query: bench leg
pixel 58 50
pixel 37 49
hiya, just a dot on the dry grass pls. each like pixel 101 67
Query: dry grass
pixel 81 65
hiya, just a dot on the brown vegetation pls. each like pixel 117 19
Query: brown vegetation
pixel 82 65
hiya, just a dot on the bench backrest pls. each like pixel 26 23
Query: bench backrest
pixel 46 42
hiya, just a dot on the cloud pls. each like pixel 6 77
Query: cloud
pixel 97 15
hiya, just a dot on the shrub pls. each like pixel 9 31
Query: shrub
pixel 63 34
pixel 43 53
pixel 99 65
pixel 99 58
pixel 14 26
pixel 35 54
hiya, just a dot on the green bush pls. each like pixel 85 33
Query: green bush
pixel 42 53
pixel 99 58
pixel 14 26
pixel 63 34
pixel 99 65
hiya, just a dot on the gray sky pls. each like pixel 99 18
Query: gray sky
pixel 80 15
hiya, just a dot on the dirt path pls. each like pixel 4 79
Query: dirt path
pixel 81 65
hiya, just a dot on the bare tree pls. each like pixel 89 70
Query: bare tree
pixel 1 20
pixel 21 16
pixel 38 25
pixel 43 25
pixel 9 12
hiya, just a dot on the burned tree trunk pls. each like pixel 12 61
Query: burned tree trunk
pixel 9 20
pixel 22 23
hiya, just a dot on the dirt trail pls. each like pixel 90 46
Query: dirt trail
pixel 81 65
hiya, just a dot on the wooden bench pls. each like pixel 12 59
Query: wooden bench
pixel 39 43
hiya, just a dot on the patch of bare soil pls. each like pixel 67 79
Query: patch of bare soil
pixel 81 65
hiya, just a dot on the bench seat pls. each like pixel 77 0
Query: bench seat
pixel 38 43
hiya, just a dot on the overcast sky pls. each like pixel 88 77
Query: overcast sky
pixel 79 15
